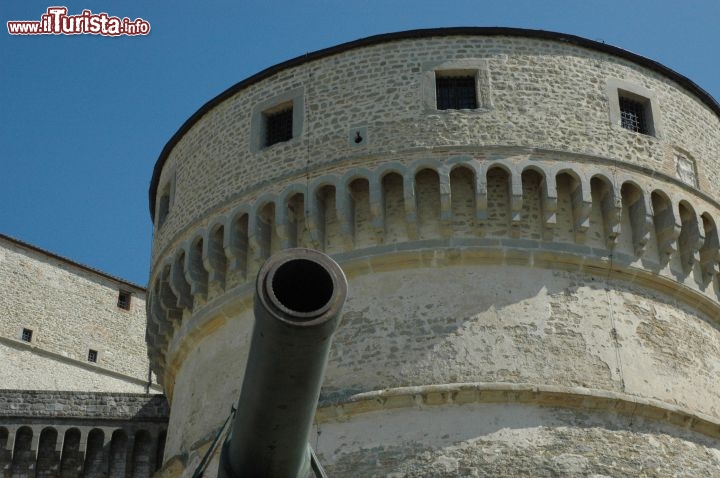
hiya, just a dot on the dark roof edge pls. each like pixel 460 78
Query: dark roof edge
pixel 26 245
pixel 683 81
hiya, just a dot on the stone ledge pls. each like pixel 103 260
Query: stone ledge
pixel 480 392
pixel 387 257
pixel 499 392
pixel 91 367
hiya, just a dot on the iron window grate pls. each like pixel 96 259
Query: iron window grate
pixel 632 115
pixel 26 335
pixel 92 355
pixel 278 126
pixel 124 300
pixel 456 93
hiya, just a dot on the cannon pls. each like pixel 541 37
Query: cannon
pixel 299 295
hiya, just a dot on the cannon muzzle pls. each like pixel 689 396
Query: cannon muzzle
pixel 299 296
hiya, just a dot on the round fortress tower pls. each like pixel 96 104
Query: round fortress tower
pixel 527 221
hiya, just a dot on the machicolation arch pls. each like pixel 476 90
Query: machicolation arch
pixel 523 205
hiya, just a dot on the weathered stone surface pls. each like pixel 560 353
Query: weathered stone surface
pixel 104 405
pixel 501 440
pixel 70 310
pixel 54 433
pixel 61 415
pixel 533 288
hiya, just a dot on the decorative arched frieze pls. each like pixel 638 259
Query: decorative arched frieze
pixel 622 214
pixel 606 198
pixel 637 219
pixel 237 247
pixel 463 187
pixel 364 230
pixel 213 254
pixel 262 231
pixel 73 453
pixel 393 212
pixel 691 238
pixel 667 225
pixel 429 202
pixel 316 209
pixel 514 191
pixel 576 189
pixel 195 273
pixel 478 183
pixel 710 250
pixel 178 283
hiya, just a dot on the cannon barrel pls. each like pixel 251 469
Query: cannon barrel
pixel 299 296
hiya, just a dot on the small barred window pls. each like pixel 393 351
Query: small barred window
pixel 26 335
pixel 633 115
pixel 124 300
pixel 163 208
pixel 633 108
pixel 278 125
pixel 456 92
pixel 92 355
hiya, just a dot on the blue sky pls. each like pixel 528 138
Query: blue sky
pixel 83 118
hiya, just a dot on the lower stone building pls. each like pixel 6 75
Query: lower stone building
pixel 77 398
pixel 68 434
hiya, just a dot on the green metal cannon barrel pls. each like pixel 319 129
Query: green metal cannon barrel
pixel 299 296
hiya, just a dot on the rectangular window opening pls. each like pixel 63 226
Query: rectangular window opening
pixel 92 356
pixel 26 335
pixel 163 208
pixel 124 300
pixel 635 114
pixel 278 124
pixel 455 92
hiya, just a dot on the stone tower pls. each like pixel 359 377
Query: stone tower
pixel 527 221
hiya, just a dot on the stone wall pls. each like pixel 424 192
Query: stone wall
pixel 53 423
pixel 87 405
pixel 70 310
pixel 26 367
pixel 515 440
pixel 542 210
pixel 545 95
pixel 53 434
pixel 532 286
